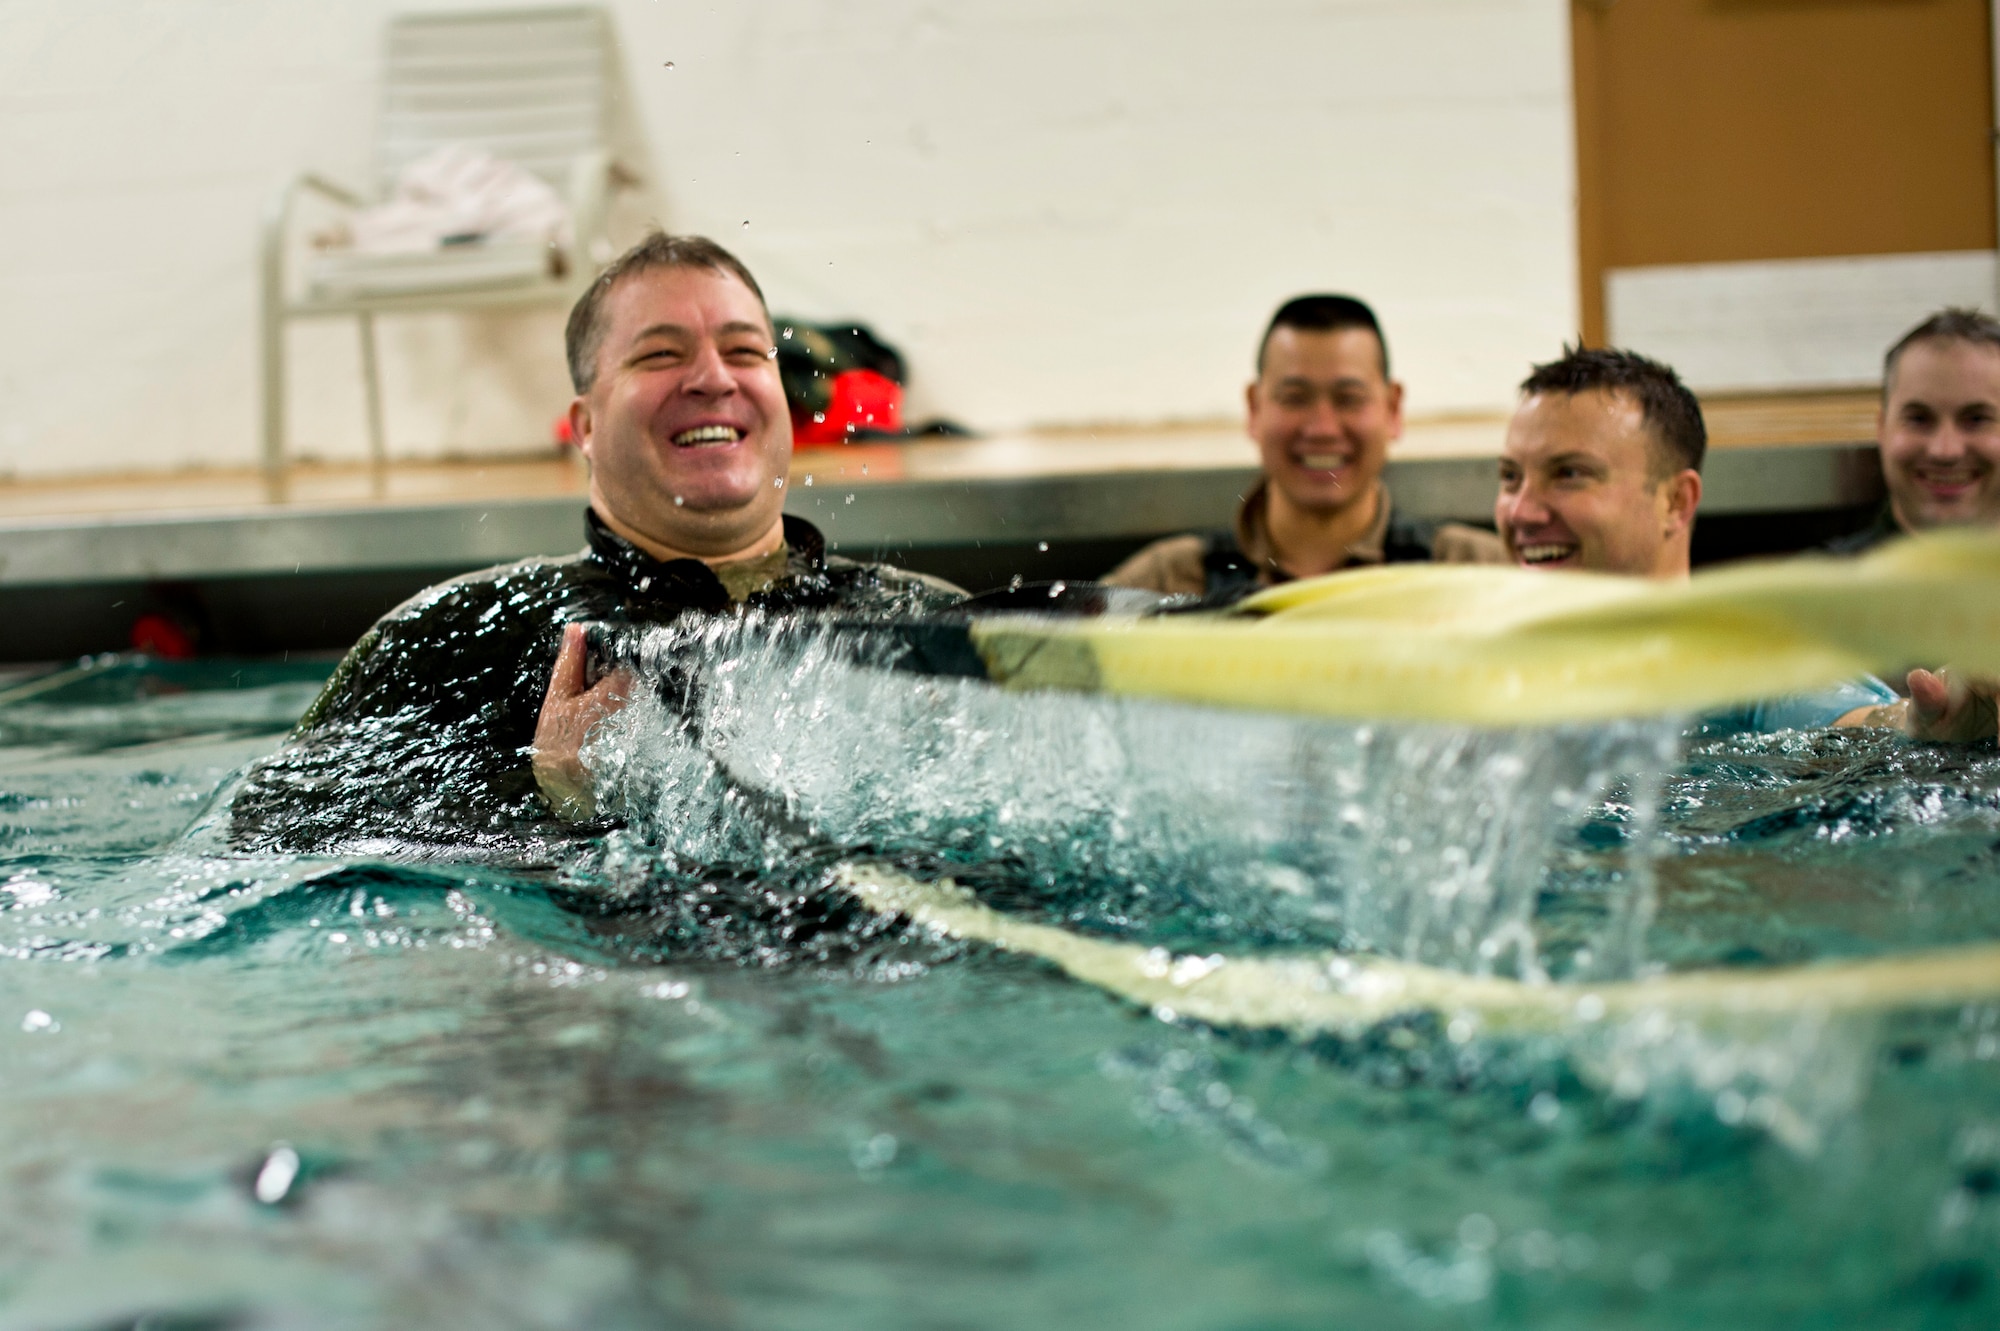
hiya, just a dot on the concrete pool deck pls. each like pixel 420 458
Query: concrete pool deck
pixel 1734 423
pixel 1054 504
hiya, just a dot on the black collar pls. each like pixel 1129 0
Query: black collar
pixel 689 581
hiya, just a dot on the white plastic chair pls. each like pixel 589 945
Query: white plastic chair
pixel 527 85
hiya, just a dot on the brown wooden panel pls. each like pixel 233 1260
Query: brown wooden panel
pixel 1719 130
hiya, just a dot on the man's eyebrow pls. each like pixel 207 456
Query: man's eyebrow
pixel 1344 381
pixel 661 330
pixel 685 333
pixel 1574 457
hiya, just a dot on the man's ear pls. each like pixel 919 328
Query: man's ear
pixel 1395 409
pixel 579 425
pixel 1683 498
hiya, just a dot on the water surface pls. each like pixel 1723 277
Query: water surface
pixel 669 1079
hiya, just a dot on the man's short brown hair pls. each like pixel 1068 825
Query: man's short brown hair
pixel 1670 411
pixel 584 336
pixel 1955 324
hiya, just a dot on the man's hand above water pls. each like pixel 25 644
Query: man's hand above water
pixel 570 708
pixel 1952 707
pixel 1944 707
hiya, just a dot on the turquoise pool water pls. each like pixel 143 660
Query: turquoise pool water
pixel 670 1079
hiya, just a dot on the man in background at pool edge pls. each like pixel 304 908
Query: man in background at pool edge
pixel 460 713
pixel 1937 429
pixel 1600 471
pixel 1322 412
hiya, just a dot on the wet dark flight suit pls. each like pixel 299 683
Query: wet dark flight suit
pixel 421 737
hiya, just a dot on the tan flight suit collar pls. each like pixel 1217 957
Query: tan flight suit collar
pixel 1253 535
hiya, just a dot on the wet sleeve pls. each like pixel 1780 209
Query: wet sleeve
pixel 419 738
pixel 1800 711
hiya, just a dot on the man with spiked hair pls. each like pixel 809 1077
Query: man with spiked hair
pixel 1601 467
pixel 1322 412
pixel 1601 472
pixel 460 714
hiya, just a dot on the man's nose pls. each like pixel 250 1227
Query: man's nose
pixel 1524 507
pixel 708 372
pixel 1321 416
pixel 1947 443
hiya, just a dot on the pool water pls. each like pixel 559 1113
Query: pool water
pixel 671 1078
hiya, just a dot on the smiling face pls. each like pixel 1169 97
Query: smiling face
pixel 1940 434
pixel 1323 415
pixel 685 424
pixel 1579 489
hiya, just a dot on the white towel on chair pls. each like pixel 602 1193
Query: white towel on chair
pixel 459 195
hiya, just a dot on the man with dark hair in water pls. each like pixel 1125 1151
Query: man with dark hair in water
pixel 1601 472
pixel 459 715
pixel 1323 411
pixel 1601 467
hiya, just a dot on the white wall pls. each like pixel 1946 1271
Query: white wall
pixel 1062 211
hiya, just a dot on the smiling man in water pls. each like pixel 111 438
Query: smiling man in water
pixel 1322 412
pixel 1601 467
pixel 1601 472
pixel 459 715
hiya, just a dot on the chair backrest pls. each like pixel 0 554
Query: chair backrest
pixel 527 85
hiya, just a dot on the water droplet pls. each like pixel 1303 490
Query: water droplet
pixel 819 418
pixel 809 480
pixel 850 499
pixel 746 223
pixel 670 64
pixel 1014 583
pixel 876 1152
pixel 778 483
pixel 788 334
pixel 280 1170
pixel 1544 1108
pixel 1057 589
pixel 1043 546
pixel 38 1020
pixel 678 501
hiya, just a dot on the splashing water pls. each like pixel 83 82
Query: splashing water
pixel 757 739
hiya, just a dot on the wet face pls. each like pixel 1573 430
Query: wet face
pixel 1578 489
pixel 686 426
pixel 1323 415
pixel 1940 434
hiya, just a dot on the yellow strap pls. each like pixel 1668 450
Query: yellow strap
pixel 1492 646
pixel 1342 994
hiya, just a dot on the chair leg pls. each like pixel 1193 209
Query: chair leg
pixel 271 334
pixel 371 378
